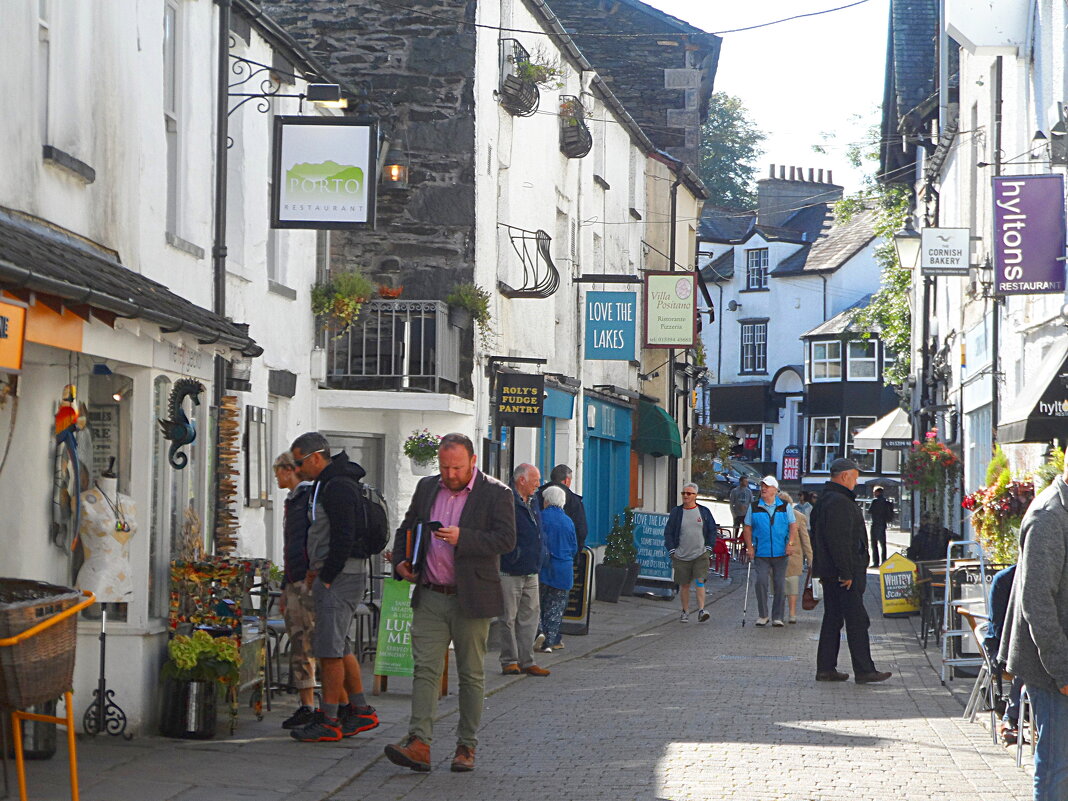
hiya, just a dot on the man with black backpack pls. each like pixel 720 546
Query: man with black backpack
pixel 341 535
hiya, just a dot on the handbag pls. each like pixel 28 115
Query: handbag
pixel 809 601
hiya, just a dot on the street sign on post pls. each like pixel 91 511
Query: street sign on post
pixel 945 251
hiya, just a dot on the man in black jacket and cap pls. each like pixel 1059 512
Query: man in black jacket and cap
pixel 840 561
pixel 561 476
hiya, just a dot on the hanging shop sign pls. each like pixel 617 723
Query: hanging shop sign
pixel 324 172
pixel 791 463
pixel 945 251
pixel 653 557
pixel 12 336
pixel 520 400
pixel 670 310
pixel 610 325
pixel 1029 237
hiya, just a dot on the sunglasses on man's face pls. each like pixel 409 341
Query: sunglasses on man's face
pixel 689 493
pixel 300 462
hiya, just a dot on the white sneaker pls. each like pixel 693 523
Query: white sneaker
pixel 777 624
pixel 702 615
pixel 762 621
pixel 684 618
pixel 539 641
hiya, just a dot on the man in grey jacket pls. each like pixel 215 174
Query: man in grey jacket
pixel 740 499
pixel 1034 645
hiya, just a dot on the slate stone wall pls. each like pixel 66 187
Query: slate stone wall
pixel 417 73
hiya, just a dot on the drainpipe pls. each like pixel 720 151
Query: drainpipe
pixel 218 250
pixel 995 325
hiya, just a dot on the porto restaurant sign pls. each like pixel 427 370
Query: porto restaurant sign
pixel 670 309
pixel 1029 237
pixel 324 172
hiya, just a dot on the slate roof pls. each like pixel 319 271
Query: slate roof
pixel 725 225
pixel 842 323
pixel 719 268
pixel 42 258
pixel 833 249
pixel 730 226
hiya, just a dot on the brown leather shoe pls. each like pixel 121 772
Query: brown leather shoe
pixel 464 760
pixel 511 670
pixel 410 753
pixel 831 675
pixel 873 677
pixel 534 670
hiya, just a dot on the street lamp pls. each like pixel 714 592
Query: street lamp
pixel 907 245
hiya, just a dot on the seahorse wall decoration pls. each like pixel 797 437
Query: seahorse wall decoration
pixel 180 430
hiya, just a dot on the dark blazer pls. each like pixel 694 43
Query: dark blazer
pixel 839 539
pixel 487 529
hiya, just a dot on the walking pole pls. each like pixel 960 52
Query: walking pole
pixel 745 605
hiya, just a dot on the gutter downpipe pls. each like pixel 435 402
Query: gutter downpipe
pixel 995 324
pixel 218 250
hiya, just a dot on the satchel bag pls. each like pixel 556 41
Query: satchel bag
pixel 809 601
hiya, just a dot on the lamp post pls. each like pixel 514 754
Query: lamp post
pixel 907 243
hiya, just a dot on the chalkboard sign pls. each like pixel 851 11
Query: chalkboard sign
pixel 576 618
pixel 649 539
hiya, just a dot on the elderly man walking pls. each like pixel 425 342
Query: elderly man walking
pixel 690 536
pixel 517 626
pixel 840 562
pixel 770 532
pixel 457 594
pixel 1034 644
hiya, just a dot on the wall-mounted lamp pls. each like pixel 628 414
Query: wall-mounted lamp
pixel 325 95
pixel 118 396
pixel 395 171
pixel 1038 144
pixel 733 305
pixel 907 245
pixel 239 377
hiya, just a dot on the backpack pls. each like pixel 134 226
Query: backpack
pixel 375 522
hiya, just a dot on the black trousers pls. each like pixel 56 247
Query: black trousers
pixel 878 537
pixel 842 606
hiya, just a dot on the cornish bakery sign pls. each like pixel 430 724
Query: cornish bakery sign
pixel 1029 234
pixel 324 172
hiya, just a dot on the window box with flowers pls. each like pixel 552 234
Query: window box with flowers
pixel 933 470
pixel 421 448
pixel 576 140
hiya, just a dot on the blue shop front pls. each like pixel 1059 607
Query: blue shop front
pixel 605 464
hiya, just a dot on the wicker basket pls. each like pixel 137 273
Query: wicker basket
pixel 40 668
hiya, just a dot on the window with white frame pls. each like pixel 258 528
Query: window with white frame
pixel 825 361
pixel 171 103
pixel 861 364
pixel 756 268
pixel 754 352
pixel 865 459
pixel 825 436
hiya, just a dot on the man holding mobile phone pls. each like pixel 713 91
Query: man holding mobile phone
pixel 457 593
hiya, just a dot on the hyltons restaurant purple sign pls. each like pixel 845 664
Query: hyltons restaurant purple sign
pixel 1029 234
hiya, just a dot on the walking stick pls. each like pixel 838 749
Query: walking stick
pixel 745 605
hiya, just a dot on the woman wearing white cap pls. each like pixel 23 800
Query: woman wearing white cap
pixel 770 533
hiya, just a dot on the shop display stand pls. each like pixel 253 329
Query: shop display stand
pixel 103 714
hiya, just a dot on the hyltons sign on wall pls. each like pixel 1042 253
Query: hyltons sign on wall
pixel 670 310
pixel 1028 234
pixel 324 172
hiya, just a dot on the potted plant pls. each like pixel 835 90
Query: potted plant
pixel 421 448
pixel 199 666
pixel 390 292
pixel 337 300
pixel 620 564
pixel 575 138
pixel 469 302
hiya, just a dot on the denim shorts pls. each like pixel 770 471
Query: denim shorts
pixel 335 606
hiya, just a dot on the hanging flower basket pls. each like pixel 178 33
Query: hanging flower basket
pixel 421 447
pixel 932 470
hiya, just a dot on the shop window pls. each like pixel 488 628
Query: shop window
pixel 891 461
pixel 259 457
pixel 865 459
pixel 861 361
pixel 824 439
pixel 825 363
pixel 756 268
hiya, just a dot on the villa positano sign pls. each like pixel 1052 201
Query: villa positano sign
pixel 324 172
pixel 670 309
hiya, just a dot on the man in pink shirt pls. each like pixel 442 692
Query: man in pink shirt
pixel 457 593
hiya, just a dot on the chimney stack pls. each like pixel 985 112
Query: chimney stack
pixel 779 197
pixel 793 172
pixel 830 179
pixel 820 179
pixel 810 174
pixel 782 172
pixel 771 172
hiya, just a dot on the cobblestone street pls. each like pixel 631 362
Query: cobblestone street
pixel 720 711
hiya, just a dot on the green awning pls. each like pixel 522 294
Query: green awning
pixel 658 433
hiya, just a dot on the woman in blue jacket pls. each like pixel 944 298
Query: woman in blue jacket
pixel 557 576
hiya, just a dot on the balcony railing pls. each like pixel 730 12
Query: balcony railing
pixel 398 345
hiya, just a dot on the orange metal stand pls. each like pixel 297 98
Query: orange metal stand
pixel 18 716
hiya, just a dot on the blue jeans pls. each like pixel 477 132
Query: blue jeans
pixel 1051 751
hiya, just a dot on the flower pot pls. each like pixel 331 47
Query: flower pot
pixel 460 317
pixel 422 468
pixel 631 578
pixel 189 709
pixel 609 582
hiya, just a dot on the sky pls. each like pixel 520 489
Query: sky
pixel 800 79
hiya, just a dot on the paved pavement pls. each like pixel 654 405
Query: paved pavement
pixel 643 708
